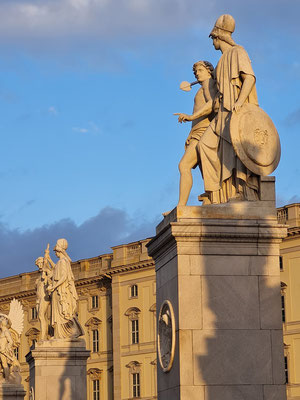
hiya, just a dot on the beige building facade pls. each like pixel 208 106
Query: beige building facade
pixel 290 296
pixel 117 310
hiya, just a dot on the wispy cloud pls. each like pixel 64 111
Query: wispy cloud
pixel 81 130
pixel 110 227
pixel 92 127
pixel 52 110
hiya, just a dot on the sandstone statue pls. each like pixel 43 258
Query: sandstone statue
pixel 203 71
pixel 11 327
pixel 231 168
pixel 42 295
pixel 63 295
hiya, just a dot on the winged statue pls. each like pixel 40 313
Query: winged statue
pixel 11 328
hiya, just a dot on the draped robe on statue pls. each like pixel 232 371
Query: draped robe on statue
pixel 64 300
pixel 224 175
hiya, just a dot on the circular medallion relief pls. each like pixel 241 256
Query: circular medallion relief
pixel 166 336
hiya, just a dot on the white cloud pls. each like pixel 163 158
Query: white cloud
pixel 93 128
pixel 52 110
pixel 81 130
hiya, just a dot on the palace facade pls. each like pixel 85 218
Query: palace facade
pixel 290 296
pixel 117 311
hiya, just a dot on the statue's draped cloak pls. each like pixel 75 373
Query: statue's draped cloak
pixel 64 299
pixel 218 158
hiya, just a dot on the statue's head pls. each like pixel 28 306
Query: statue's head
pixel 61 245
pixel 60 248
pixel 203 70
pixel 223 29
pixel 39 262
pixel 5 321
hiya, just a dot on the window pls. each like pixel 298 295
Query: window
pixel 94 376
pixel 95 302
pixel 136 392
pixel 135 331
pixel 134 371
pixel 95 340
pixel 133 324
pixel 283 308
pixel 280 263
pixel 34 313
pixel 96 389
pixel 16 352
pixel 134 291
pixel 286 369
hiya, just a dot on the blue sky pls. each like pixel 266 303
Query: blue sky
pixel 88 88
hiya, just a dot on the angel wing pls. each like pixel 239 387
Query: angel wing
pixel 16 316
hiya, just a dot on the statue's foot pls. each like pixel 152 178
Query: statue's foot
pixel 204 197
pixel 166 213
pixel 237 197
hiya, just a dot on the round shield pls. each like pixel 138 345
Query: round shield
pixel 255 139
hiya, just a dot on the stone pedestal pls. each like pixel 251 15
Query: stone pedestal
pixel 9 391
pixel 218 266
pixel 58 369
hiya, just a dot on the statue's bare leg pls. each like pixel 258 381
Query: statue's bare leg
pixel 43 319
pixel 188 161
pixel 5 367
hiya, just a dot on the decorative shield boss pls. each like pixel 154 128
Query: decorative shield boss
pixel 255 139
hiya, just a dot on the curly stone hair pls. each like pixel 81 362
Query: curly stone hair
pixel 206 64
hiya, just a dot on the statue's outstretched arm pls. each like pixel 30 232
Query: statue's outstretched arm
pixel 49 261
pixel 203 112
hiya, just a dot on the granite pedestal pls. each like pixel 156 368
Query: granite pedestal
pixel 218 265
pixel 58 369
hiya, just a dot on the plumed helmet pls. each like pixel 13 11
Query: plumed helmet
pixel 226 23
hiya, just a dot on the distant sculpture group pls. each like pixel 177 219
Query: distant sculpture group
pixel 56 289
pixel 11 327
pixel 227 102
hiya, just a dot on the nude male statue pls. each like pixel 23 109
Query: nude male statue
pixel 43 298
pixel 203 71
pixel 225 176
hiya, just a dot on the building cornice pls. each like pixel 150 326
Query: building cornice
pixel 130 267
pixel 293 231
